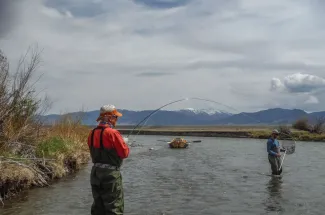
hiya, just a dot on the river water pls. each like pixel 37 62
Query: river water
pixel 216 176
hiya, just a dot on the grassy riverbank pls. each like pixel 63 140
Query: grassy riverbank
pixel 30 153
pixel 257 132
pixel 60 150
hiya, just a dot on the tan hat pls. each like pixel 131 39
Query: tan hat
pixel 275 131
pixel 108 110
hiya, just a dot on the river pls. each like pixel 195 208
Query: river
pixel 216 176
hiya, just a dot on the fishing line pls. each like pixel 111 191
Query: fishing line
pixel 185 99
pixel 176 101
pixel 289 149
pixel 170 103
pixel 134 140
pixel 149 115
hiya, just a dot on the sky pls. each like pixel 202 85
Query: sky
pixel 141 54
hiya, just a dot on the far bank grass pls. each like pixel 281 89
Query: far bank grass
pixel 296 135
pixel 257 132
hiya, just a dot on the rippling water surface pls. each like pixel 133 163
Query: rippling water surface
pixel 216 176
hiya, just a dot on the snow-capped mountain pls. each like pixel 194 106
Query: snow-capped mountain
pixel 209 111
pixel 191 116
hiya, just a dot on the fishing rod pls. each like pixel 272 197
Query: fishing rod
pixel 185 99
pixel 212 101
pixel 193 98
pixel 176 101
pixel 149 115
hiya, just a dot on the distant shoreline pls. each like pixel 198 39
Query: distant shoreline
pixel 234 134
pixel 254 132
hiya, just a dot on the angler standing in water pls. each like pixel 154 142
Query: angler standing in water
pixel 107 149
pixel 274 153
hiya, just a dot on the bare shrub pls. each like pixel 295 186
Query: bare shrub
pixel 19 106
pixel 285 131
pixel 301 124
pixel 318 126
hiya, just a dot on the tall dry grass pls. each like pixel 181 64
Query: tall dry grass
pixel 66 141
pixel 32 154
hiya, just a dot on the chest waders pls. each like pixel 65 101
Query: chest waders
pixel 106 179
pixel 275 163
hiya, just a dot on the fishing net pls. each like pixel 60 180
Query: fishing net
pixel 289 146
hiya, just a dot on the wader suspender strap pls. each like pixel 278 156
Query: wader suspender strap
pixel 101 138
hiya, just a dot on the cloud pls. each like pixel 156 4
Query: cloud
pixel 227 51
pixel 78 8
pixel 153 74
pixel 300 91
pixel 162 4
pixel 276 84
pixel 299 83
pixel 8 15
pixel 312 100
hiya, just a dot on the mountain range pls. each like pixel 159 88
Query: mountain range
pixel 192 116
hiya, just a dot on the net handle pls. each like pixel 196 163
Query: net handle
pixel 282 160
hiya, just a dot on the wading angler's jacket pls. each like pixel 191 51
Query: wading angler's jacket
pixel 273 147
pixel 107 146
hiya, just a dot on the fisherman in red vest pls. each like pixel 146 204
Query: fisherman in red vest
pixel 107 149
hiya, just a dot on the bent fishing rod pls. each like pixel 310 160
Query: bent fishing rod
pixel 149 115
pixel 208 100
pixel 195 98
pixel 176 101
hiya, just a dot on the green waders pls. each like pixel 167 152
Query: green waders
pixel 275 164
pixel 107 190
pixel 106 180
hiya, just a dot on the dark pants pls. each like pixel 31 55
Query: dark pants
pixel 275 164
pixel 107 190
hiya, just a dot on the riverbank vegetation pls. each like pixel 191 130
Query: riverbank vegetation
pixel 294 134
pixel 231 131
pixel 314 127
pixel 30 153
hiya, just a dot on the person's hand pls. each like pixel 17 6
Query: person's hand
pixel 126 140
pixel 278 154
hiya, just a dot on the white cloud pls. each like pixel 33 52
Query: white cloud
pixel 142 55
pixel 276 84
pixel 299 83
pixel 303 82
pixel 299 90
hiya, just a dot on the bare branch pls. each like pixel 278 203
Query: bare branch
pixel 20 105
pixel 318 127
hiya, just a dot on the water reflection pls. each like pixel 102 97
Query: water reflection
pixel 274 201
